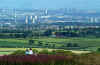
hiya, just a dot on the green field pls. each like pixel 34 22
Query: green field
pixel 92 43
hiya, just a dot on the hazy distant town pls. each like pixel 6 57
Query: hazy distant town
pixel 63 16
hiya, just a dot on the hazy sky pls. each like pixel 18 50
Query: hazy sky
pixel 79 4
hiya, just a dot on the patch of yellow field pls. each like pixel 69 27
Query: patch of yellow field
pixel 80 52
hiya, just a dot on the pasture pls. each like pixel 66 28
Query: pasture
pixel 89 43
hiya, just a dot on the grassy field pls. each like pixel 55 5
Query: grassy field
pixel 92 43
pixel 80 41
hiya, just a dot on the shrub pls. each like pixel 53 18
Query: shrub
pixel 98 49
pixel 63 52
pixel 35 51
pixel 18 52
pixel 44 51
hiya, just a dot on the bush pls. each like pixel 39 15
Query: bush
pixel 63 52
pixel 98 49
pixel 35 51
pixel 45 51
pixel 18 52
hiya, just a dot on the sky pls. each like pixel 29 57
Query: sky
pixel 79 4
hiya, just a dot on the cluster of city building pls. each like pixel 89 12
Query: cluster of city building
pixel 16 17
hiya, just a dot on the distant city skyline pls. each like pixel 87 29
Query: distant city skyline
pixel 53 4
